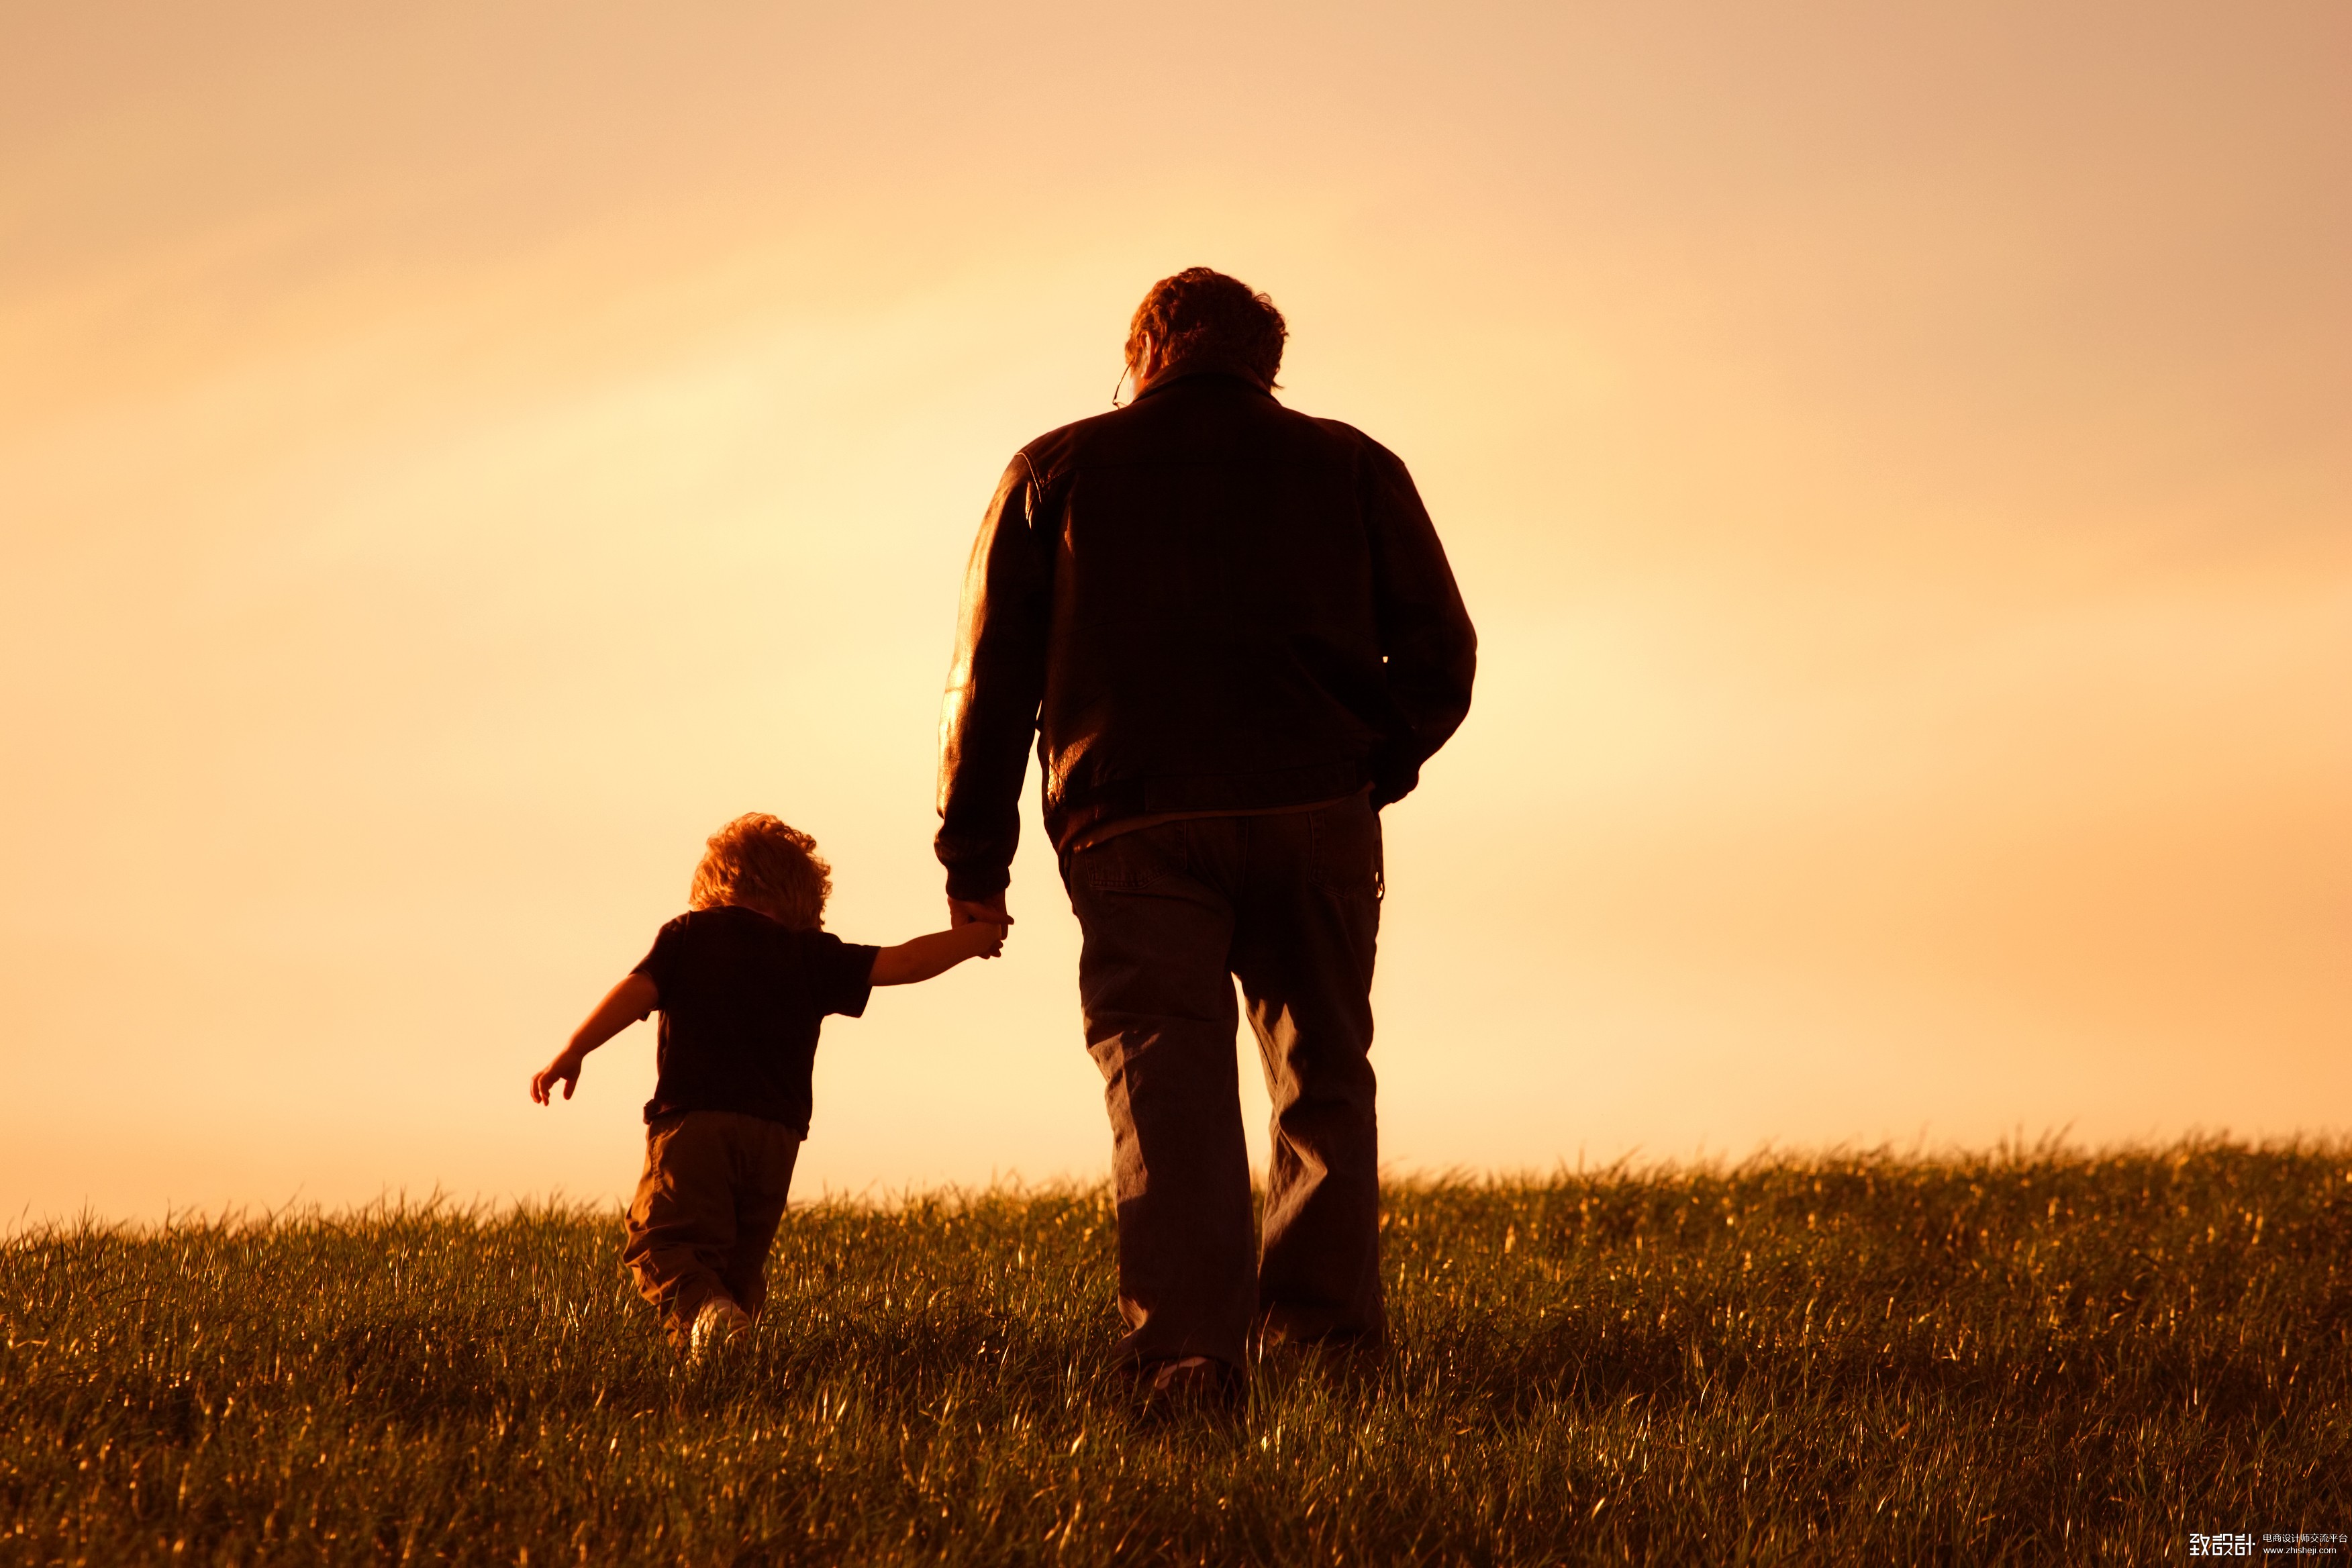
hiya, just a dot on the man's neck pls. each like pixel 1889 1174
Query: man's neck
pixel 1193 369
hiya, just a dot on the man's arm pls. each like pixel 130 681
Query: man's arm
pixel 624 1004
pixel 936 953
pixel 1431 648
pixel 989 720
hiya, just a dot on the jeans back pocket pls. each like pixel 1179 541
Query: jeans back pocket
pixel 1133 862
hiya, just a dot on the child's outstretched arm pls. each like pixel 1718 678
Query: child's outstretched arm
pixel 627 1002
pixel 936 954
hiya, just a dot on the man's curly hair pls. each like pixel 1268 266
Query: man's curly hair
pixel 759 861
pixel 1203 319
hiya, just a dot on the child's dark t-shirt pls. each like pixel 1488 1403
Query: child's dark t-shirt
pixel 742 1000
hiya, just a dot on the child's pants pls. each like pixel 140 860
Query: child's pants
pixel 707 1210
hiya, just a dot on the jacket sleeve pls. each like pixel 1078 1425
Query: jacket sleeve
pixel 989 720
pixel 1429 648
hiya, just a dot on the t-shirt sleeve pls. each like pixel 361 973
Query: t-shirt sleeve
pixel 841 974
pixel 660 963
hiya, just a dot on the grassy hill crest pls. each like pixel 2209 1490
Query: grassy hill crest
pixel 2022 1357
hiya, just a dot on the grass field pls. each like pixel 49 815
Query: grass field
pixel 2032 1357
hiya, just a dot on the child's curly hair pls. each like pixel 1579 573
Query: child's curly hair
pixel 758 861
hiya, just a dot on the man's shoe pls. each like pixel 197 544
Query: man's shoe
pixel 1192 1385
pixel 1346 1361
pixel 719 1323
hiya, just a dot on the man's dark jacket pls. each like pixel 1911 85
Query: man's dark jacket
pixel 1202 602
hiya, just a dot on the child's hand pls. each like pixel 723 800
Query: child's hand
pixel 564 1069
pixel 626 1003
pixel 987 940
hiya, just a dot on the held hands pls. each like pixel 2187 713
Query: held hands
pixel 979 911
pixel 981 938
pixel 971 916
pixel 564 1069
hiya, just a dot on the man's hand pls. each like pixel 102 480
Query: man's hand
pixel 971 911
pixel 564 1069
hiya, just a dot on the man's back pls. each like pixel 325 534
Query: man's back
pixel 1203 602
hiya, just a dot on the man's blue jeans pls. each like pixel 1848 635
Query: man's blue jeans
pixel 1290 904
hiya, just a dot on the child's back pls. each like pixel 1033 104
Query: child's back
pixel 742 999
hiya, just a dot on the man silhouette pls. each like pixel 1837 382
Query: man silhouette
pixel 1234 638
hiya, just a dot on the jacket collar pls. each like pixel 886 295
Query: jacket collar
pixel 1207 373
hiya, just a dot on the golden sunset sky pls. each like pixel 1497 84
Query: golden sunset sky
pixel 452 457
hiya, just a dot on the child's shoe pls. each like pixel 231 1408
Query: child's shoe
pixel 719 1323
